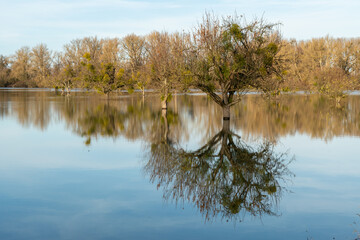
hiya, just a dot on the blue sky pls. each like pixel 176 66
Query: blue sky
pixel 57 22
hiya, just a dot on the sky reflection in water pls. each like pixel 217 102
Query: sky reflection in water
pixel 78 167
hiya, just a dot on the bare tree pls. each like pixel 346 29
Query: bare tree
pixel 5 79
pixel 110 50
pixel 40 60
pixel 135 55
pixel 166 62
pixel 20 67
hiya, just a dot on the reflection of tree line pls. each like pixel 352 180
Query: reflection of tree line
pixel 29 108
pixel 132 117
pixel 311 115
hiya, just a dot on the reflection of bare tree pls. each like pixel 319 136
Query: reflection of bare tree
pixel 4 102
pixel 133 120
pixel 224 177
pixel 108 119
pixel 30 109
pixel 103 120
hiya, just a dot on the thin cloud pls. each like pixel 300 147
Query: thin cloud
pixel 32 21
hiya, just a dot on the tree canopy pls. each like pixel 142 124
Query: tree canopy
pixel 231 56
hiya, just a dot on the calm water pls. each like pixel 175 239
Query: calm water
pixel 83 167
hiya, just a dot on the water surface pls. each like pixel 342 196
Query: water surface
pixel 84 167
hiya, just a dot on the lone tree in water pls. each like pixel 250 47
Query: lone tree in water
pixel 167 62
pixel 231 56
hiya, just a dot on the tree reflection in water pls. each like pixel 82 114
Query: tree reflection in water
pixel 104 120
pixel 225 177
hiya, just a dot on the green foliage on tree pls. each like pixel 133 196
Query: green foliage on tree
pixel 104 78
pixel 231 56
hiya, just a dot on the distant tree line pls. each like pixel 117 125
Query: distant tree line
pixel 326 65
pixel 225 56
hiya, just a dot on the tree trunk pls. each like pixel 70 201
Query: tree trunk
pixel 67 91
pixel 175 103
pixel 226 112
pixel 337 101
pixel 164 103
pixel 165 95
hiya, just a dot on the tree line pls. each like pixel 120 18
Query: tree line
pixel 223 57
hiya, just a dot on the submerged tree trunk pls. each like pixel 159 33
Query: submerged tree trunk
pixel 164 97
pixel 164 103
pixel 226 112
pixel 175 103
pixel 67 91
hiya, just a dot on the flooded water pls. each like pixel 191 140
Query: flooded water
pixel 87 167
